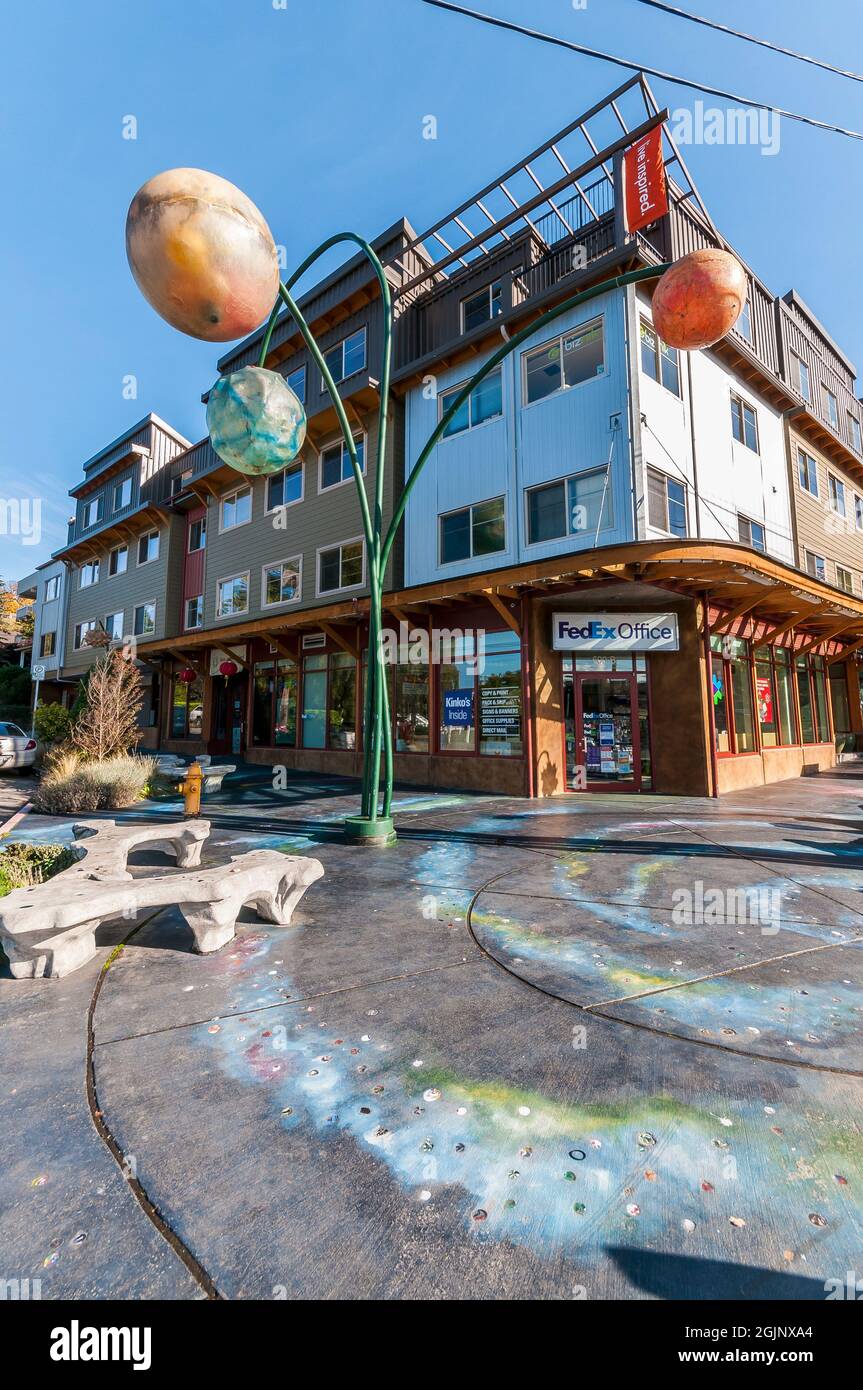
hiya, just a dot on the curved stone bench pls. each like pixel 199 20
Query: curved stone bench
pixel 50 929
pixel 103 846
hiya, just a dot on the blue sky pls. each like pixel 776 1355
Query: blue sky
pixel 316 111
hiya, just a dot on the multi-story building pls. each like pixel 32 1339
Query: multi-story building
pixel 47 588
pixel 605 566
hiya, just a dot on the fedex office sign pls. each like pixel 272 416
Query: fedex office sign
pixel 615 632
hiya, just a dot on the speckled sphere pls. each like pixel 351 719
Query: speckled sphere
pixel 202 254
pixel 257 424
pixel 699 299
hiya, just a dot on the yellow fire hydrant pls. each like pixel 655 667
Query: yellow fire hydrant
pixel 191 789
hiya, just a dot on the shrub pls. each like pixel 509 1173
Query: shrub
pixel 70 784
pixel 108 723
pixel 23 864
pixel 52 723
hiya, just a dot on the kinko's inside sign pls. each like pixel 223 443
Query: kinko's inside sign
pixel 615 632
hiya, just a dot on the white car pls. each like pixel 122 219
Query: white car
pixel 17 749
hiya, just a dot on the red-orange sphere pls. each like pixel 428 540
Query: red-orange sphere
pixel 202 254
pixel 699 299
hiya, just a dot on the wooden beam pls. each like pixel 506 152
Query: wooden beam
pixel 846 652
pixel 240 660
pixel 751 601
pixel 189 660
pixel 794 621
pixel 340 641
pixel 280 646
pixel 506 613
pixel 832 631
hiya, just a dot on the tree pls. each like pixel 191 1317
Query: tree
pixel 10 603
pixel 108 723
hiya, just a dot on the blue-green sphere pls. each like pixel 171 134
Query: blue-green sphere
pixel 257 424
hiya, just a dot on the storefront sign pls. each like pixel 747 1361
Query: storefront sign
pixel 764 690
pixel 458 708
pixel 500 711
pixel 615 632
pixel 644 181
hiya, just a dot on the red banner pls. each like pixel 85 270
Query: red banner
pixel 645 196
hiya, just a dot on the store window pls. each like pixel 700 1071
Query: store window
pixel 315 700
pixel 774 696
pixel 457 700
pixel 839 702
pixel 187 708
pixel 411 708
pixel 285 721
pixel 819 683
pixel 480 702
pixel 804 695
pixel 263 687
pixel 733 712
pixel 342 721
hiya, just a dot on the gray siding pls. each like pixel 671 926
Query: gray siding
pixel 140 584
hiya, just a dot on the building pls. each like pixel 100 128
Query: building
pixel 47 588
pixel 623 568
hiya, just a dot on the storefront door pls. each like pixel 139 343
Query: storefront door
pixel 229 714
pixel 603 733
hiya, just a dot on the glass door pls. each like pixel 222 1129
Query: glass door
pixel 607 732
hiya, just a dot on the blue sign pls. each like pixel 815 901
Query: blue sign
pixel 458 708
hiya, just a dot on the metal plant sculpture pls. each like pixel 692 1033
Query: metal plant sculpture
pixel 203 256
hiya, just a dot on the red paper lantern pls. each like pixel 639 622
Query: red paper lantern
pixel 228 668
pixel 187 675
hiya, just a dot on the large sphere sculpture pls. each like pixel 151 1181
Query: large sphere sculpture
pixel 202 254
pixel 257 424
pixel 699 299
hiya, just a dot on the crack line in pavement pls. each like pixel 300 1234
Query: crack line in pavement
pixel 287 1003
pixel 633 1023
pixel 136 1187
pixel 721 974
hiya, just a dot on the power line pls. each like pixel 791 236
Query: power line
pixel 750 38
pixel 641 67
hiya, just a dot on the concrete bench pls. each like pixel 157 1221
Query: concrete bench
pixel 50 929
pixel 103 846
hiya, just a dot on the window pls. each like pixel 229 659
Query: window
pixel 744 323
pixel 341 567
pixel 346 357
pixel 342 701
pixel 485 402
pixel 566 361
pixel 858 511
pixel 88 574
pixel 816 565
pixel 479 308
pixel 733 713
pixel 751 533
pixel 666 503
pixel 122 494
pixel 91 512
pixel 411 708
pixel 148 548
pixel 658 360
pixel 473 531
pixel 314 723
pixel 118 560
pixel 807 472
pixel 197 534
pixel 836 494
pixel 839 702
pixel 187 708
pixel 280 582
pixel 297 382
pixel 48 644
pixel 844 579
pixel 114 626
pixel 232 595
pixel 285 488
pixel 82 632
pixel 774 696
pixel 803 384
pixel 145 619
pixel 335 465
pixel 52 588
pixel 569 506
pixel 481 710
pixel 236 508
pixel 854 433
pixel 812 693
pixel 744 423
pixel 180 481
pixel 831 405
pixel 195 611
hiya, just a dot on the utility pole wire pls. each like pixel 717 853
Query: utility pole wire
pixel 641 67
pixel 750 38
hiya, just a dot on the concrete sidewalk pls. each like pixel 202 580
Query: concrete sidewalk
pixel 604 1045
